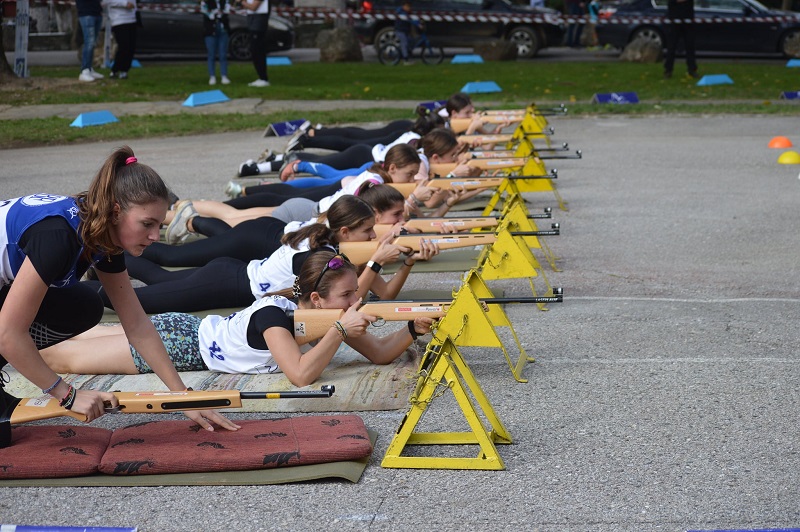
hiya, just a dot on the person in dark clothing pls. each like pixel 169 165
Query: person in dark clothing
pixel 574 9
pixel 682 10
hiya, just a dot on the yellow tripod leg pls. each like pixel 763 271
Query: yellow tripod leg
pixel 442 369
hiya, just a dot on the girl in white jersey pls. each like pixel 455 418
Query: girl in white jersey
pixel 258 339
pixel 47 242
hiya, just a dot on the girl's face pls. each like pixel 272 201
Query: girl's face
pixel 393 215
pixel 403 174
pixel 138 227
pixel 362 233
pixel 465 112
pixel 342 292
pixel 450 156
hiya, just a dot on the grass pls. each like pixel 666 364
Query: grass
pixel 756 89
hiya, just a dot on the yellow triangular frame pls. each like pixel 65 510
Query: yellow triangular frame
pixel 443 368
pixel 470 323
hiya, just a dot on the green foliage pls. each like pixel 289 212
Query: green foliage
pixel 756 89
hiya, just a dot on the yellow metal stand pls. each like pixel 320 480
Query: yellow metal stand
pixel 471 323
pixel 517 186
pixel 510 258
pixel 516 219
pixel 443 368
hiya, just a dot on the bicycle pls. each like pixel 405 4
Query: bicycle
pixel 389 54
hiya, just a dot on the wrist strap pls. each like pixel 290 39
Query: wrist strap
pixel 411 330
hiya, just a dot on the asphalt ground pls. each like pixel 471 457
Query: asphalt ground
pixel 666 388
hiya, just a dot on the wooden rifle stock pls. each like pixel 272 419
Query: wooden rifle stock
pixel 312 324
pixel 434 225
pixel 488 164
pixel 360 252
pixel 34 409
pixel 465 183
pixel 485 139
pixel 404 188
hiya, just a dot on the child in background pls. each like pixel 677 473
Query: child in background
pixel 594 15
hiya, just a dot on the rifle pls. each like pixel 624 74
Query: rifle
pixel 442 169
pixel 312 324
pixel 360 252
pixel 459 125
pixel 33 409
pixel 432 225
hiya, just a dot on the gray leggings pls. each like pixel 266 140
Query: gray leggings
pixel 296 210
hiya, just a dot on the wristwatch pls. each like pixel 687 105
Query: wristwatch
pixel 375 267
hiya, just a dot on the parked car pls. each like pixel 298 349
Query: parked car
pixel 529 37
pixel 180 32
pixel 741 36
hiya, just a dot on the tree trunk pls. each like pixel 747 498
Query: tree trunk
pixel 6 72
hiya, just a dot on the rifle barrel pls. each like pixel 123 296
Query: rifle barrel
pixel 326 391
pixel 558 297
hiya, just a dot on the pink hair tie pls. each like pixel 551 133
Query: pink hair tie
pixel 130 160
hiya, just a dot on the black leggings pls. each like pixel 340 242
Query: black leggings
pixel 353 157
pixel 275 194
pixel 341 143
pixel 64 313
pixel 352 132
pixel 221 283
pixel 253 239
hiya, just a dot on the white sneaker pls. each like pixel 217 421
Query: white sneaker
pixel 86 75
pixel 225 80
pixel 178 229
pixel 96 75
pixel 212 80
pixel 259 83
pixel 233 190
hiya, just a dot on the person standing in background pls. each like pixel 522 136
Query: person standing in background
pixel 574 10
pixel 216 30
pixel 122 14
pixel 594 16
pixel 257 24
pixel 90 17
pixel 682 10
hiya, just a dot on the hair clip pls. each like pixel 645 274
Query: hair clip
pixel 296 288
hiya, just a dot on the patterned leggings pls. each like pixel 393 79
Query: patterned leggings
pixel 178 331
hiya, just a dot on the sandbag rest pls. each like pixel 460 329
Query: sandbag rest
pixel 181 446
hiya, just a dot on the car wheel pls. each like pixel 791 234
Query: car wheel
pixel 239 45
pixel 649 34
pixel 526 40
pixel 790 43
pixel 384 36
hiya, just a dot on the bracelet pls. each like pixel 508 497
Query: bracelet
pixel 407 264
pixel 414 334
pixel 413 198
pixel 53 387
pixel 68 400
pixel 375 267
pixel 340 329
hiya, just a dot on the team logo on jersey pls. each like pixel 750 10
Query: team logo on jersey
pixel 36 200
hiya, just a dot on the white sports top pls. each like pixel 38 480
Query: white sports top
pixel 223 341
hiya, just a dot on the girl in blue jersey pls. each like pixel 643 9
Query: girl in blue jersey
pixel 258 339
pixel 47 242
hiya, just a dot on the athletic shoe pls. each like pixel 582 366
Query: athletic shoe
pixel 112 74
pixel 248 168
pixel 96 75
pixel 225 80
pixel 233 190
pixel 296 142
pixel 123 75
pixel 212 80
pixel 259 83
pixel 86 75
pixel 178 228
pixel 266 156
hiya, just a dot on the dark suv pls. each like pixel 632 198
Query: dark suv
pixel 487 20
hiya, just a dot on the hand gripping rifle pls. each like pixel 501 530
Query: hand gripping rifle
pixel 312 324
pixel 360 252
pixel 15 411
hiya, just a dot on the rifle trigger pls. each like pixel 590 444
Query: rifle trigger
pixel 380 322
pixel 111 409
